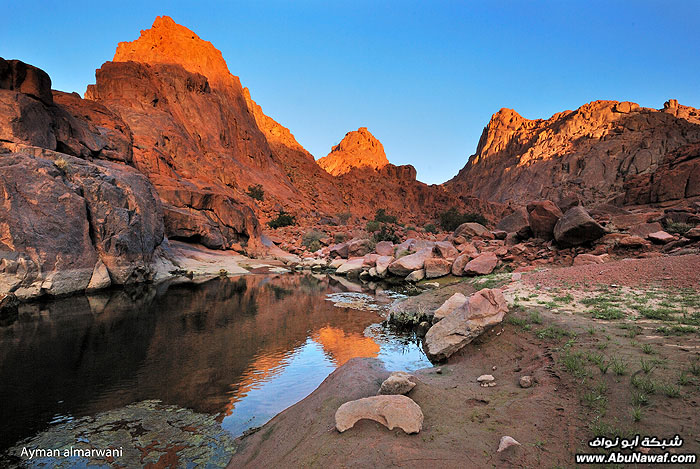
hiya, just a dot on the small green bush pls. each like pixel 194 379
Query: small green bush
pixel 677 228
pixel 385 233
pixel 340 238
pixel 256 191
pixel 430 228
pixel 452 218
pixel 382 217
pixel 312 240
pixel 373 226
pixel 283 219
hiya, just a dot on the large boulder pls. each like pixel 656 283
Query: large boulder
pixel 339 250
pixel 452 303
pixel 577 227
pixel 517 222
pixel 36 116
pixel 483 309
pixel 661 237
pixel 352 267
pixel 482 264
pixel 645 229
pixel 446 250
pixel 407 264
pixel 66 219
pixel 382 265
pixel 459 264
pixel 471 229
pixel 384 248
pixel 542 217
pixel 437 267
pixel 390 410
pixel 359 247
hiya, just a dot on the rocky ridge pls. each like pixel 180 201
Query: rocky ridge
pixel 198 134
pixel 604 151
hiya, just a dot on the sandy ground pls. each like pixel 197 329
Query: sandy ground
pixel 671 271
pixel 592 377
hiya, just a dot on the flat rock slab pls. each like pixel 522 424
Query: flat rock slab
pixel 391 411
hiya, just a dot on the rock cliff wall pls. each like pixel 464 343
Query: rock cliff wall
pixel 600 152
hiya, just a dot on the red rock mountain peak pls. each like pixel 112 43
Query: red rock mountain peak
pixel 358 149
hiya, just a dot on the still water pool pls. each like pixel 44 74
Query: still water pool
pixel 226 355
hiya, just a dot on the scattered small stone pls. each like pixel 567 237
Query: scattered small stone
pixel 422 328
pixel 525 381
pixel 506 442
pixel 493 368
pixel 486 381
pixel 438 371
pixel 398 382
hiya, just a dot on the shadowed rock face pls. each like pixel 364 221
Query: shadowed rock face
pixel 64 218
pixel 18 76
pixel 589 154
pixel 69 218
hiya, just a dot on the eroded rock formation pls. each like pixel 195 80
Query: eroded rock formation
pixel 605 151
pixel 69 218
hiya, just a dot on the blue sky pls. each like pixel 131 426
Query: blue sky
pixel 423 76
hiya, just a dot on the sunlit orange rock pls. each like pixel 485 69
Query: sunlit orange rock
pixel 167 42
pixel 358 149
pixel 604 151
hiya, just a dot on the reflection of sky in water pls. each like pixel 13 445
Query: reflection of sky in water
pixel 242 348
pixel 268 390
pixel 295 378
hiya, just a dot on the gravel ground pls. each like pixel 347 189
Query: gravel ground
pixel 671 271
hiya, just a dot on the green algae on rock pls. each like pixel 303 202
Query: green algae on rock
pixel 147 432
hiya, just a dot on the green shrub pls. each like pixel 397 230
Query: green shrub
pixel 430 228
pixel 256 191
pixel 677 228
pixel 283 219
pixel 385 233
pixel 340 238
pixel 452 218
pixel 373 226
pixel 312 240
pixel 383 217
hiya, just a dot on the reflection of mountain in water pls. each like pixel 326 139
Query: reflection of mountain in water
pixel 341 346
pixel 201 347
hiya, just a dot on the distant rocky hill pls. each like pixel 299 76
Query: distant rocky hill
pixel 358 149
pixel 605 151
